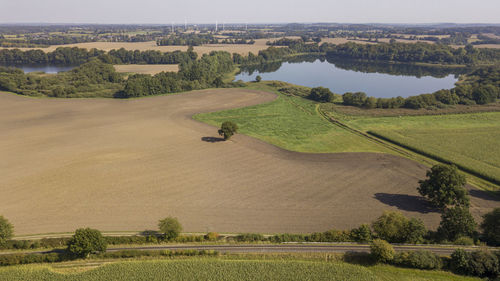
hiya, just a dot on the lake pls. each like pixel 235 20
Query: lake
pixel 50 69
pixel 379 80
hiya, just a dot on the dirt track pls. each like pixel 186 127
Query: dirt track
pixel 124 164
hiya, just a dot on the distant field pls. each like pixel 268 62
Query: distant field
pixel 146 68
pixel 216 269
pixel 470 140
pixel 242 49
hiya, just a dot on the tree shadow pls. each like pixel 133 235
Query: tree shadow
pixel 485 195
pixel 212 139
pixel 406 202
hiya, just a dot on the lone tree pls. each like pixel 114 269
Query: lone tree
pixel 86 241
pixel 444 187
pixel 228 129
pixel 6 230
pixel 258 78
pixel 456 222
pixel 170 227
pixel 491 227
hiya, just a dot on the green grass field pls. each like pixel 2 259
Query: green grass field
pixel 292 123
pixel 469 140
pixel 217 269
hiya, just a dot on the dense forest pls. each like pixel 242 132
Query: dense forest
pixel 77 56
pixel 98 78
pixel 412 53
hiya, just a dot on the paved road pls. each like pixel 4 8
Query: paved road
pixel 286 248
pixel 294 248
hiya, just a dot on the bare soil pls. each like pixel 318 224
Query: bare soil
pixel 146 68
pixel 124 164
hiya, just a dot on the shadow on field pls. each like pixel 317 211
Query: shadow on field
pixel 405 202
pixel 485 195
pixel 211 139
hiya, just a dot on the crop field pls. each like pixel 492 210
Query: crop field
pixel 146 68
pixel 216 269
pixel 242 49
pixel 469 140
pixel 124 164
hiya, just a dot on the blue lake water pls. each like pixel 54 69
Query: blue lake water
pixel 50 69
pixel 374 82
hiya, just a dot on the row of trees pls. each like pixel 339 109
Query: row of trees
pixel 412 53
pixel 77 56
pixel 192 39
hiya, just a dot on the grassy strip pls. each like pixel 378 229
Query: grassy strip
pixel 231 268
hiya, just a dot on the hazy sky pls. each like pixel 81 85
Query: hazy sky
pixel 255 11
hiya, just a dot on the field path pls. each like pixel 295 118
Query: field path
pixel 124 164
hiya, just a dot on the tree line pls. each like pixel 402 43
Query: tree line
pixel 198 40
pixel 77 56
pixel 412 53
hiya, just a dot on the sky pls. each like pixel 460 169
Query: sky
pixel 255 11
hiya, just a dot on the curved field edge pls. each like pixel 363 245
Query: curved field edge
pixel 217 269
pixel 292 123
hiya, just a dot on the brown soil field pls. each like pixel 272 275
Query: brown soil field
pixel 146 68
pixel 242 49
pixel 124 164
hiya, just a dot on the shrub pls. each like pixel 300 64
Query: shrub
pixel 85 241
pixel 464 240
pixel 170 227
pixel 418 259
pixel 258 79
pixel 6 230
pixel 362 234
pixel 482 263
pixel 396 228
pixel 212 236
pixel 381 251
pixel 250 237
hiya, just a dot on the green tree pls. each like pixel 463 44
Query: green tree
pixel 456 222
pixel 170 227
pixel 362 234
pixel 86 241
pixel 381 251
pixel 321 94
pixel 491 227
pixel 396 228
pixel 444 187
pixel 6 230
pixel 228 129
pixel 258 79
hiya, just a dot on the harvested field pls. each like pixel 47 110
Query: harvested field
pixel 146 68
pixel 124 164
pixel 242 49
